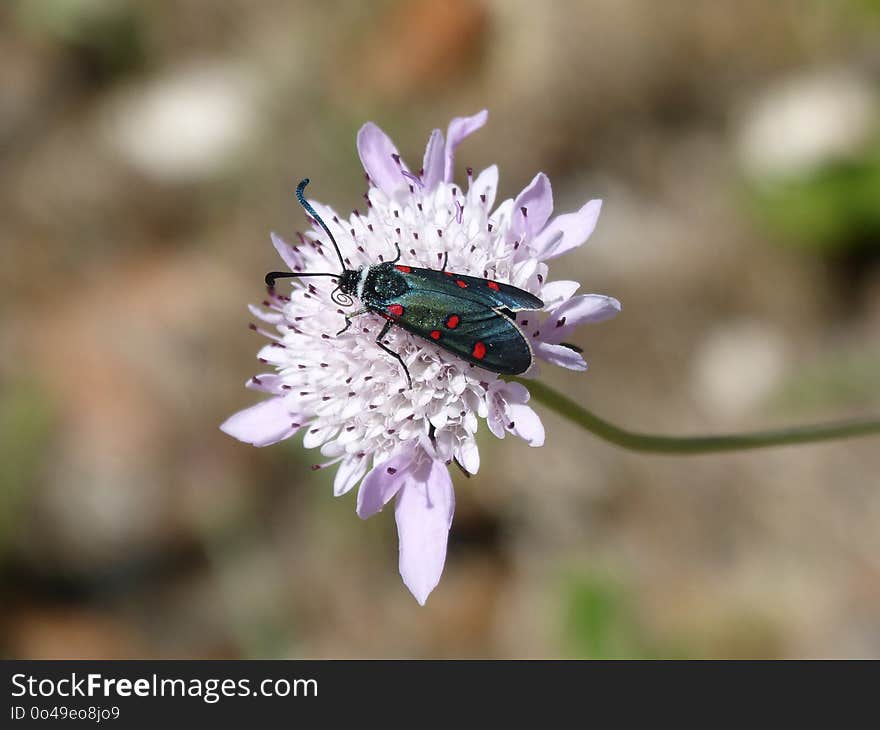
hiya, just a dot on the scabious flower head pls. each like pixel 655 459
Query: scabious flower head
pixel 352 400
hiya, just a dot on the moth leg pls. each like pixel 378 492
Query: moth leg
pixel 348 318
pixel 445 261
pixel 391 352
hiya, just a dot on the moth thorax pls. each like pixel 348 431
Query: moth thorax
pixel 384 281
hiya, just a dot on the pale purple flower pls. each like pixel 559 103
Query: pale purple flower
pixel 351 399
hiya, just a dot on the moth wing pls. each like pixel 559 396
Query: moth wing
pixel 492 293
pixel 468 328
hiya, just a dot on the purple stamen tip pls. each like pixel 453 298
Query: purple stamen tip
pixel 409 176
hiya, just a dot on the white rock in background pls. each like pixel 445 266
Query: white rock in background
pixel 805 121
pixel 184 127
pixel 737 366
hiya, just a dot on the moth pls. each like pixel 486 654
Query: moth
pixel 470 317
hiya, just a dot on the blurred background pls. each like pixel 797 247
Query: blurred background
pixel 148 148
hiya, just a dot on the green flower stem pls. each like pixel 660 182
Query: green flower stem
pixel 694 444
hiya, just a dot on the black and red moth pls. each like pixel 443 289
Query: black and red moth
pixel 470 317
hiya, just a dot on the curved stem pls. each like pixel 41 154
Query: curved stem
pixel 555 401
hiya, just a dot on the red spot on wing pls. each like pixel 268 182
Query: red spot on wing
pixel 492 285
pixel 404 269
pixel 435 334
pixel 462 284
pixel 395 309
pixel 479 351
pixel 452 321
pixel 448 273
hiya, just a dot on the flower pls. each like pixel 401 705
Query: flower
pixel 352 400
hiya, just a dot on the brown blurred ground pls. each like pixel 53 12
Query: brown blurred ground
pixel 146 151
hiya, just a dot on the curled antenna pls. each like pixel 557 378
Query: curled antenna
pixel 273 275
pixel 311 211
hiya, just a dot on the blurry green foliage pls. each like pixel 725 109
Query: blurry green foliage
pixel 852 379
pixel 107 36
pixel 833 208
pixel 600 622
pixel 25 421
pixel 867 8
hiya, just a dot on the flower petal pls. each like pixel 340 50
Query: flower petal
pixel 486 184
pixel 555 293
pixel 500 217
pixel 458 129
pixel 526 424
pixel 495 420
pixel 383 482
pixel 469 455
pixel 266 382
pixel 263 424
pixel 264 316
pixel 567 231
pixel 375 149
pixel 560 355
pixel 495 413
pixel 577 311
pixel 433 162
pixel 511 392
pixel 423 513
pixel 292 259
pixel 319 434
pixel 348 474
pixel 339 231
pixel 537 199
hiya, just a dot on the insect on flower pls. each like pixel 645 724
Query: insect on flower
pixel 470 317
pixel 460 293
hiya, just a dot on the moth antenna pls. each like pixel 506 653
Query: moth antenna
pixel 311 211
pixel 273 275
